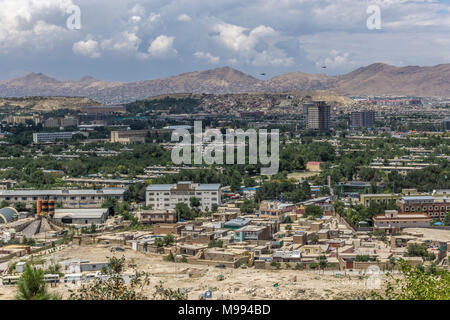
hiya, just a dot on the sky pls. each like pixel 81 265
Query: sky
pixel 125 40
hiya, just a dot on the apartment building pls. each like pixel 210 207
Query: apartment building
pixel 60 122
pixel 434 207
pixel 87 198
pixel 318 116
pixel 42 137
pixel 362 119
pixel 166 196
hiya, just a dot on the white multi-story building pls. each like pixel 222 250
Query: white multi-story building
pixel 166 196
pixel 83 198
pixel 39 137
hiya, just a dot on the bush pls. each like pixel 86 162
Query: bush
pixel 275 264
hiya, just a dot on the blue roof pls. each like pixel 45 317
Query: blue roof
pixel 418 198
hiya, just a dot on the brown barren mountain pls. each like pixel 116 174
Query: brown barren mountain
pixel 375 79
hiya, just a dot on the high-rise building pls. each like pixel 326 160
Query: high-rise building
pixel 362 119
pixel 318 116
pixel 447 124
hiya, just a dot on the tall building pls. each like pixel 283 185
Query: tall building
pixel 362 119
pixel 318 116
pixel 447 124
pixel 166 196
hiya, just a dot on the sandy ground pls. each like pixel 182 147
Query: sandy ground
pixel 432 234
pixel 237 284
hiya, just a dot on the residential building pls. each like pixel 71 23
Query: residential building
pixel 235 224
pixel 392 221
pixel 447 124
pixel 318 116
pixel 158 216
pixel 60 122
pixel 275 209
pixel 436 208
pixel 86 198
pixel 166 196
pixel 362 119
pixel 252 232
pixel 42 137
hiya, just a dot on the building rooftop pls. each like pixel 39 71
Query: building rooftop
pixel 80 213
pixel 113 191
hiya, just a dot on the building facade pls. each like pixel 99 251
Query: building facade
pixel 391 221
pixel 87 198
pixel 434 207
pixel 362 119
pixel 318 116
pixel 42 137
pixel 166 196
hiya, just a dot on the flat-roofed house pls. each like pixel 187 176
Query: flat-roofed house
pixel 392 220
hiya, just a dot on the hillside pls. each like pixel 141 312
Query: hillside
pixel 375 79
pixel 46 103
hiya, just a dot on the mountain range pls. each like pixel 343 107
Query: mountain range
pixel 375 79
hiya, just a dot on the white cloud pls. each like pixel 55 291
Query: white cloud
pixel 244 42
pixel 88 48
pixel 162 47
pixel 137 10
pixel 154 17
pixel 184 18
pixel 207 56
pixel 125 42
pixel 27 23
pixel 334 60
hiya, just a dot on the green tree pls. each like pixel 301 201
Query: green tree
pixel 4 204
pixel 313 211
pixel 169 239
pixel 447 220
pixel 113 286
pixel 183 211
pixel 31 286
pixel 416 284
